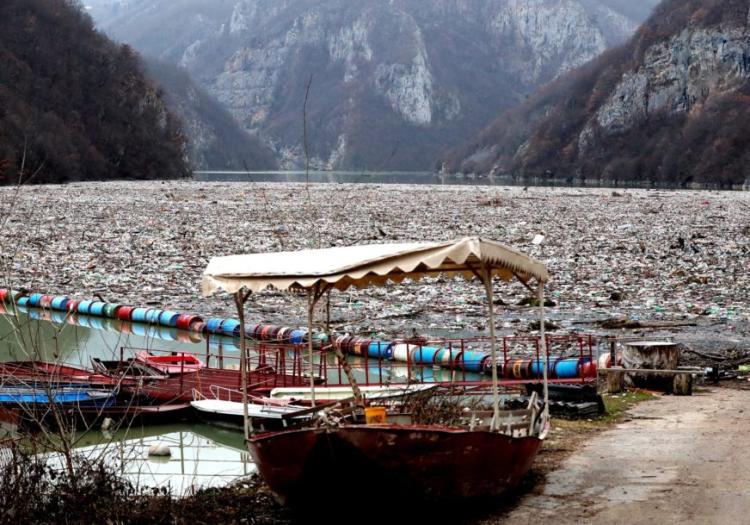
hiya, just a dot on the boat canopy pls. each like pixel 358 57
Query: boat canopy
pixel 364 265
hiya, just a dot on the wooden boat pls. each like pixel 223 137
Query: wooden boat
pixel 263 416
pixel 32 372
pixel 171 364
pixel 441 464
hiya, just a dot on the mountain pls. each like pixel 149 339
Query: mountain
pixel 672 106
pixel 74 105
pixel 216 140
pixel 392 82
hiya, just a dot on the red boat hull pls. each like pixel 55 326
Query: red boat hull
pixel 179 388
pixel 422 463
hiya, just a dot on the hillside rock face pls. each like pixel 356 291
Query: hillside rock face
pixel 216 141
pixel 392 82
pixel 669 107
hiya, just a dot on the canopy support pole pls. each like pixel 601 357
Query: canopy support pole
pixel 310 312
pixel 487 278
pixel 240 300
pixel 543 337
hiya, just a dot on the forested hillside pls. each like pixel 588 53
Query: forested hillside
pixel 76 106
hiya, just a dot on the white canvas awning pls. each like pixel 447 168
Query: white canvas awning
pixel 365 265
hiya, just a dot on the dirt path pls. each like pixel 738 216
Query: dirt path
pixel 677 460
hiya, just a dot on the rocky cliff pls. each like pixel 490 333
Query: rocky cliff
pixel 671 106
pixel 216 140
pixel 392 82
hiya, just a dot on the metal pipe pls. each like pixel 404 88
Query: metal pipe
pixel 491 311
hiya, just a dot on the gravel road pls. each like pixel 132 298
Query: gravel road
pixel 676 460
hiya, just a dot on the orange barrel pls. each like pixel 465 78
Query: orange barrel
pixel 375 415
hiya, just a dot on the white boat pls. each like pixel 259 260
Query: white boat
pixel 264 416
pixel 340 393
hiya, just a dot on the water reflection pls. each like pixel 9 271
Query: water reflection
pixel 201 456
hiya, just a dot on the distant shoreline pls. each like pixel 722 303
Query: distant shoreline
pixel 431 177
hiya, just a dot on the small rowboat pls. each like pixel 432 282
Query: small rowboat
pixel 263 416
pixel 30 397
pixel 172 364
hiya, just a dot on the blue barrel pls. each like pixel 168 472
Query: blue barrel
pixel 60 303
pixel 139 315
pixel 152 316
pixel 297 337
pixel 230 327
pixel 22 301
pixel 84 307
pixel 425 355
pixel 213 325
pixel 537 368
pixel 566 368
pixel 35 299
pixel 167 318
pixel 380 350
pixel 97 308
pixel 473 361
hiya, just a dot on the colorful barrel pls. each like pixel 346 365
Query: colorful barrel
pixel 84 307
pixel 320 340
pixel 3 295
pixel 97 308
pixel 46 301
pixel 168 318
pixel 425 355
pixel 537 368
pixel 487 368
pixel 567 368
pixel 361 346
pixel 152 316
pixel 297 337
pixel 60 303
pixel 282 336
pixel 403 352
pixel 110 310
pixel 380 350
pixel 472 361
pixel 198 328
pixel 125 313
pixel 185 321
pixel 138 315
pixel 231 327
pixel 447 357
pixel 73 305
pixel 35 299
pixel 588 368
pixel 213 325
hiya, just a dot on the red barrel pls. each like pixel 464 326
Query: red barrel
pixel 200 326
pixel 125 312
pixel 185 321
pixel 73 305
pixel 46 301
pixel 3 295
